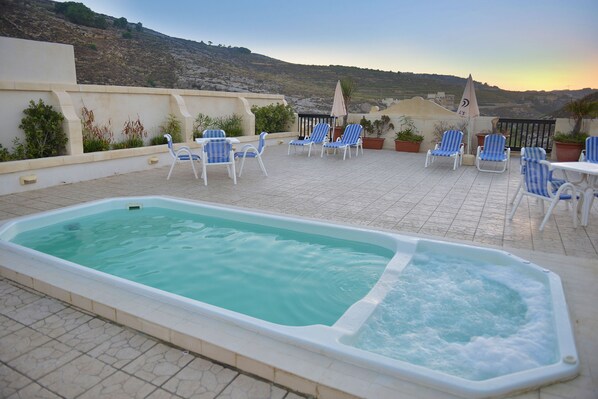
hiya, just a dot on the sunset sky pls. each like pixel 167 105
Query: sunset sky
pixel 513 44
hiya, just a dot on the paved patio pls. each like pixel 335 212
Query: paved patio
pixel 50 349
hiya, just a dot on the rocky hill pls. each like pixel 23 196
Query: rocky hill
pixel 132 55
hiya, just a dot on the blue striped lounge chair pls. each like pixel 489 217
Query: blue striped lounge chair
pixel 537 185
pixel 218 152
pixel 538 154
pixel 351 137
pixel 450 146
pixel 319 135
pixel 213 133
pixel 590 154
pixel 182 154
pixel 249 151
pixel 492 152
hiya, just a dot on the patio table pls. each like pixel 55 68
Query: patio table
pixel 587 186
pixel 204 140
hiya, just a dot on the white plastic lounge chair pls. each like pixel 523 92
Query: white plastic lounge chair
pixel 218 152
pixel 590 153
pixel 537 185
pixel 491 152
pixel 319 135
pixel 451 146
pixel 351 137
pixel 249 151
pixel 213 133
pixel 183 154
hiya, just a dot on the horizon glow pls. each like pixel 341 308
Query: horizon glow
pixel 510 44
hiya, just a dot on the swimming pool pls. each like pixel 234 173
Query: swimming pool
pixel 337 345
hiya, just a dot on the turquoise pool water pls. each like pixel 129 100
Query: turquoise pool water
pixel 472 319
pixel 282 276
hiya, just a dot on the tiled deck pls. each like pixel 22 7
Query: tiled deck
pixel 50 349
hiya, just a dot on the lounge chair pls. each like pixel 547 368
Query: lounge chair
pixel 450 146
pixel 249 151
pixel 590 153
pixel 537 185
pixel 319 135
pixel 493 151
pixel 183 154
pixel 218 152
pixel 213 133
pixel 351 137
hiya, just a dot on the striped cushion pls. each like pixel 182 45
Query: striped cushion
pixel 217 151
pixel 592 149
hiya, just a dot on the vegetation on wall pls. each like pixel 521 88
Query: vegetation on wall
pixel 134 132
pixel 172 126
pixel 44 136
pixel 95 137
pixel 231 124
pixel 273 118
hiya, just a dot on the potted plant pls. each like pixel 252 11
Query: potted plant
pixel 408 139
pixel 377 129
pixel 569 145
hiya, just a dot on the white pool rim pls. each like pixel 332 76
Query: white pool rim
pixel 321 341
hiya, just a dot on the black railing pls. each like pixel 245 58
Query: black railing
pixel 308 121
pixel 528 132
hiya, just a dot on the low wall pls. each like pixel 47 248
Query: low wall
pixel 33 174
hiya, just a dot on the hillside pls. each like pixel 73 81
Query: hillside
pixel 137 56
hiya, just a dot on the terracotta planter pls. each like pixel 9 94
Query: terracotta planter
pixel 373 143
pixel 406 146
pixel 568 152
pixel 337 132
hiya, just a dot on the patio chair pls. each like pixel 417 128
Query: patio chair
pixel 213 133
pixel 492 152
pixel 319 135
pixel 183 154
pixel 450 146
pixel 537 185
pixel 590 153
pixel 218 152
pixel 539 154
pixel 249 151
pixel 351 137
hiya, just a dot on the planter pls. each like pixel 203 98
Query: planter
pixel 373 143
pixel 337 132
pixel 568 152
pixel 406 146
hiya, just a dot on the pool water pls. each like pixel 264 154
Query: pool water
pixel 282 276
pixel 474 320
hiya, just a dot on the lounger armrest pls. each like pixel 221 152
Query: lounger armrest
pixel 479 150
pixel 247 147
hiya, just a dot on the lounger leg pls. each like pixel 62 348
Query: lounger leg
pixel 259 159
pixel 171 168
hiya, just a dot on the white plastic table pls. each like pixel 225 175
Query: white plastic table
pixel 202 140
pixel 587 186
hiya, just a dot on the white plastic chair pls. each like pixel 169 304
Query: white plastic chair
pixel 183 154
pixel 450 146
pixel 218 152
pixel 537 185
pixel 249 151
pixel 493 151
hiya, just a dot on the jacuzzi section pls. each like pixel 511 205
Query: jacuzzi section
pixel 336 344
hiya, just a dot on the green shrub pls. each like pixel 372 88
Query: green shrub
pixel 173 127
pixel 121 23
pixel 408 131
pixel 95 137
pixel 127 35
pixel 158 140
pixel 80 14
pixel 232 124
pixel 44 136
pixel 272 118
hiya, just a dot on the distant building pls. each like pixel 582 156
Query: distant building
pixel 445 100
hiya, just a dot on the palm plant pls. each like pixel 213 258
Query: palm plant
pixel 580 109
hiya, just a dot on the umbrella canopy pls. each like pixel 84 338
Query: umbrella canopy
pixel 338 104
pixel 468 108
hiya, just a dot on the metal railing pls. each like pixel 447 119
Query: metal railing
pixel 528 132
pixel 308 121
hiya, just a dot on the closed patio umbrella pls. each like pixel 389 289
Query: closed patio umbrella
pixel 468 108
pixel 338 104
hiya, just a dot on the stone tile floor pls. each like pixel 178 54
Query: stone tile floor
pixel 49 349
